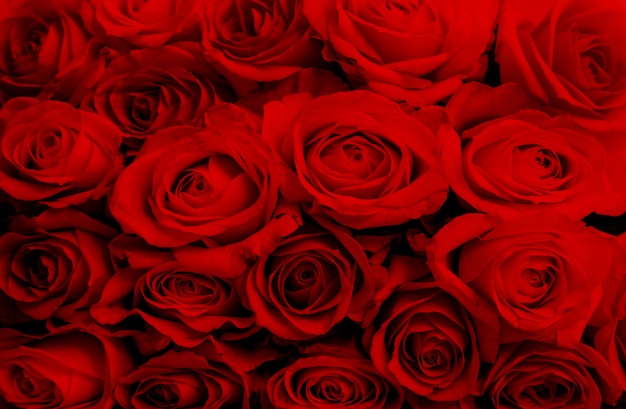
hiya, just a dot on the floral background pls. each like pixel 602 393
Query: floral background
pixel 312 204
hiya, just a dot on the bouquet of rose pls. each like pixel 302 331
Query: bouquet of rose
pixel 312 204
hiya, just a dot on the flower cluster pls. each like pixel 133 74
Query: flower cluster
pixel 280 204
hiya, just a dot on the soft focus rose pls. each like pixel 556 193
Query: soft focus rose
pixel 69 369
pixel 215 184
pixel 258 40
pixel 521 160
pixel 56 154
pixel 424 340
pixel 568 54
pixel 312 281
pixel 55 264
pixel 358 157
pixel 150 89
pixel 45 52
pixel 182 380
pixel 418 51
pixel 329 381
pixel 142 23
pixel 610 342
pixel 181 305
pixel 536 375
pixel 541 273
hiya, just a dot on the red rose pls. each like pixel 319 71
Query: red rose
pixel 56 154
pixel 45 52
pixel 357 157
pixel 610 342
pixel 216 184
pixel 535 375
pixel 312 281
pixel 541 273
pixel 521 160
pixel 258 40
pixel 323 380
pixel 55 264
pixel 568 54
pixel 146 23
pixel 424 340
pixel 184 306
pixel 72 368
pixel 150 89
pixel 182 380
pixel 414 51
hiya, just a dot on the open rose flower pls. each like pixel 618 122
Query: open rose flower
pixel 263 40
pixel 424 340
pixel 568 54
pixel 521 160
pixel 55 264
pixel 418 51
pixel 45 52
pixel 323 380
pixel 142 23
pixel 542 273
pixel 533 375
pixel 182 380
pixel 312 281
pixel 177 304
pixel 357 157
pixel 71 368
pixel 54 153
pixel 187 184
pixel 153 88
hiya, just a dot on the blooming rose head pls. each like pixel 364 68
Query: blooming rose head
pixel 533 375
pixel 263 40
pixel 184 306
pixel 187 184
pixel 72 368
pixel 424 340
pixel 45 52
pixel 541 273
pixel 521 160
pixel 56 154
pixel 54 264
pixel 418 51
pixel 182 380
pixel 149 89
pixel 142 23
pixel 310 282
pixel 329 381
pixel 357 157
pixel 568 54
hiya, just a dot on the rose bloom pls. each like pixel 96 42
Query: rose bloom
pixel 310 282
pixel 541 272
pixel 187 184
pixel 521 160
pixel 418 51
pixel 54 153
pixel 180 305
pixel 533 375
pixel 55 264
pixel 71 368
pixel 323 380
pixel 568 54
pixel 45 52
pixel 357 157
pixel 424 340
pixel 150 89
pixel 258 40
pixel 142 23
pixel 182 380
